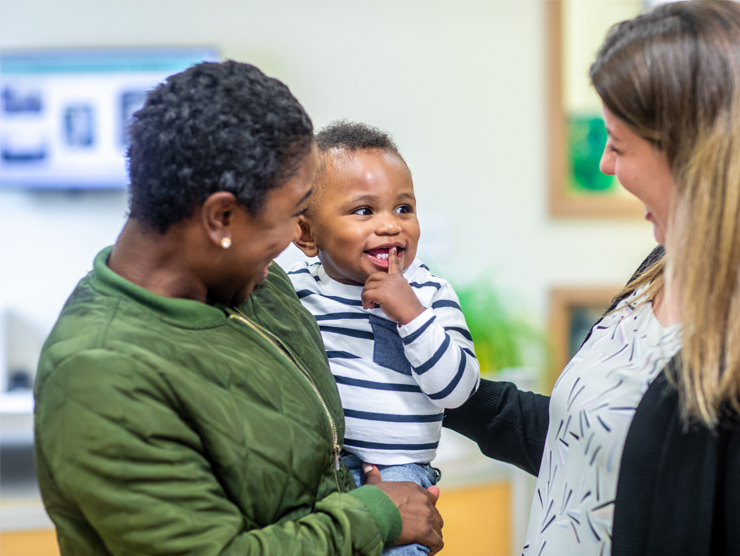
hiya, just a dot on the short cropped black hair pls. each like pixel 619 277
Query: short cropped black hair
pixel 354 136
pixel 214 127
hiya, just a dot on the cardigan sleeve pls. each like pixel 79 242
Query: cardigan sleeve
pixel 728 508
pixel 507 424
pixel 510 425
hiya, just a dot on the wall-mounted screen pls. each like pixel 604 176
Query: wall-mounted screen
pixel 64 114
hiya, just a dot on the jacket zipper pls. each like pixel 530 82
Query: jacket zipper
pixel 275 342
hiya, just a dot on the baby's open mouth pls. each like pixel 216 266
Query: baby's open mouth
pixel 382 253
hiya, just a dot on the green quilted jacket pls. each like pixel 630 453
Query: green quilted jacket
pixel 169 426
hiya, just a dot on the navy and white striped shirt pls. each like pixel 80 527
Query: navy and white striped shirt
pixel 394 381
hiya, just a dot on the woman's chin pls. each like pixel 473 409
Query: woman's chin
pixel 658 234
pixel 242 295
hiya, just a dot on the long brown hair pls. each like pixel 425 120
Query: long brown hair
pixel 672 75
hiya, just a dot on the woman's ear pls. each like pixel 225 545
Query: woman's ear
pixel 306 241
pixel 217 215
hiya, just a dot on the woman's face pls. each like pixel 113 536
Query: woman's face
pixel 257 240
pixel 642 169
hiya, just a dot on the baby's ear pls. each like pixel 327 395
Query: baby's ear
pixel 306 241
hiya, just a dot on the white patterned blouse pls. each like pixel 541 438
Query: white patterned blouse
pixel 591 409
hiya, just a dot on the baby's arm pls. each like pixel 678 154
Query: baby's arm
pixel 436 341
pixel 439 347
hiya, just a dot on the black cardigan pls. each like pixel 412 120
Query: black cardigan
pixel 678 491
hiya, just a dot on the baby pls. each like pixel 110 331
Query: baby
pixel 394 333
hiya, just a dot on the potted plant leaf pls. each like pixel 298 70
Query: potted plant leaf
pixel 503 341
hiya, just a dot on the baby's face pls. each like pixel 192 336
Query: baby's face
pixel 366 207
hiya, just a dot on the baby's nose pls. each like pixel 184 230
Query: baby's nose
pixel 390 226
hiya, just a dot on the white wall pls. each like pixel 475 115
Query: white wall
pixel 460 85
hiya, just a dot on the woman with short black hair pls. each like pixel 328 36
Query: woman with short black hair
pixel 184 403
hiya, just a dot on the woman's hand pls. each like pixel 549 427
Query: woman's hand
pixel 422 523
pixel 392 293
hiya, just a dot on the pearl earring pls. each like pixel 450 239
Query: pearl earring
pixel 226 242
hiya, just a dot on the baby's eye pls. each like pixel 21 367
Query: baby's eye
pixel 363 211
pixel 405 209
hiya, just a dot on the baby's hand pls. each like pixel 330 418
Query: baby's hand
pixel 392 292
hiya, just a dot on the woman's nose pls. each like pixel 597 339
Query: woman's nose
pixel 606 164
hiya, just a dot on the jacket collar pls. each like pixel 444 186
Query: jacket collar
pixel 187 313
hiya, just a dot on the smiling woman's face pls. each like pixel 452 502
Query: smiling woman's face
pixel 642 169
pixel 257 240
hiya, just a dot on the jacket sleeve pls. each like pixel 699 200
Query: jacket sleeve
pixel 439 347
pixel 506 423
pixel 116 453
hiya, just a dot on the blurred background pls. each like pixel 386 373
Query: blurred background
pixel 488 102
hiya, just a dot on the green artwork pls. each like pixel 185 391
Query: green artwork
pixel 586 140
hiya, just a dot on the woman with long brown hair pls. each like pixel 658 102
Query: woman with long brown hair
pixel 637 451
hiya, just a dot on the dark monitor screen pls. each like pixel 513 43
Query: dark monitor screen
pixel 64 114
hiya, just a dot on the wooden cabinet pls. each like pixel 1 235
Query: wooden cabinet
pixel 484 503
pixel 477 523
pixel 41 542
pixel 478 520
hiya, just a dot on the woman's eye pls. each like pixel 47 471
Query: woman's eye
pixel 364 211
pixel 404 209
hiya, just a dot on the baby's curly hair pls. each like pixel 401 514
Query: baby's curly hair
pixel 344 137
pixel 354 136
pixel 214 127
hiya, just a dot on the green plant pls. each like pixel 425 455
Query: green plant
pixel 501 339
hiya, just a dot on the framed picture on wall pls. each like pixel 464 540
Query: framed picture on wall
pixel 573 311
pixel 65 113
pixel 576 29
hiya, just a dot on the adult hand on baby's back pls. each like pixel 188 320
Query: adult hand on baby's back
pixel 422 523
pixel 392 293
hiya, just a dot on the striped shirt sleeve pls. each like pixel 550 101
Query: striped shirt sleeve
pixel 439 347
